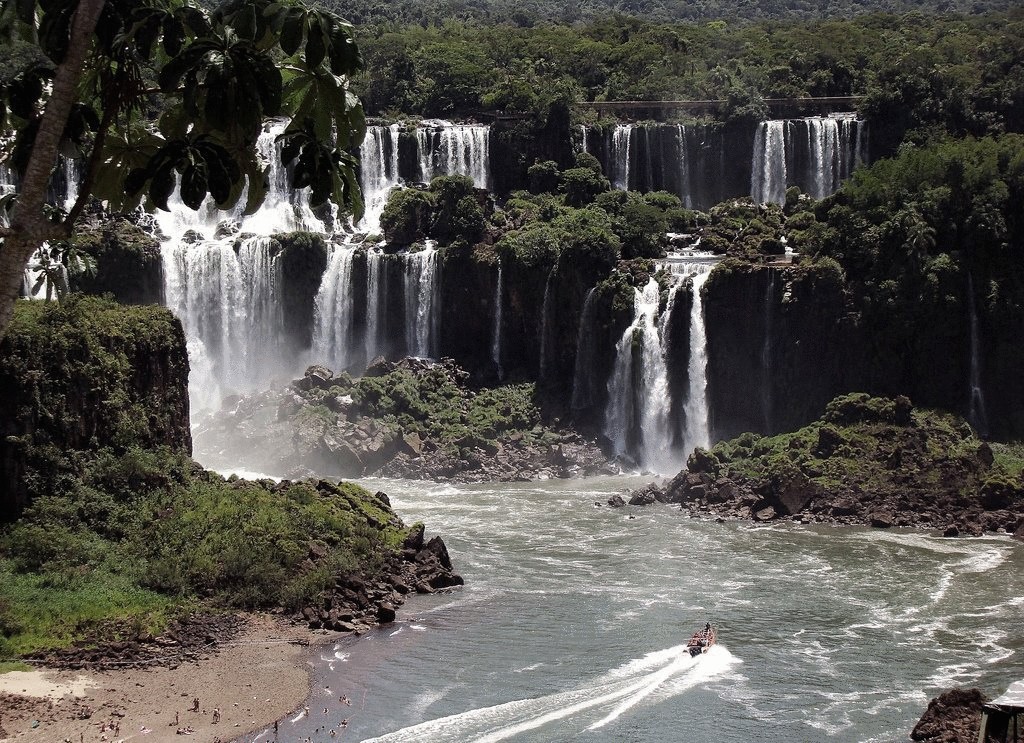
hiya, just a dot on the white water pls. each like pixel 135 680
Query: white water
pixel 570 622
pixel 636 418
pixel 229 306
pixel 376 300
pixel 333 313
pixel 422 302
pixel 696 408
pixel 621 137
pixel 445 148
pixel 829 146
pixel 768 182
pixel 378 156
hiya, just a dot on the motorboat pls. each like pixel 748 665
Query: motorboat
pixel 701 641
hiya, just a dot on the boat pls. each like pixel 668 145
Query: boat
pixel 701 641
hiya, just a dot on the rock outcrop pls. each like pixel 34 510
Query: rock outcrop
pixel 952 717
pixel 83 375
pixel 411 418
pixel 871 461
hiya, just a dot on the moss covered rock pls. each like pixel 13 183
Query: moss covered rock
pixel 82 375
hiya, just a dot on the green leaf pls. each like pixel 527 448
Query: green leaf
pixel 161 187
pixel 315 47
pixel 193 186
pixel 291 31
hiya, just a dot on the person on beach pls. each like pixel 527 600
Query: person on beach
pixel 216 715
pixel 195 704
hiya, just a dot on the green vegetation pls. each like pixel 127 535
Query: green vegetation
pixel 541 13
pixel 142 536
pixel 433 403
pixel 921 74
pixel 870 445
pixel 111 524
pixel 158 98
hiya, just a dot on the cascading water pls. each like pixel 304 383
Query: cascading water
pixel 816 153
pixel 225 290
pixel 334 311
pixel 228 305
pixel 582 377
pixel 376 301
pixel 545 328
pixel 768 182
pixel 378 157
pixel 695 410
pixel 637 417
pixel 421 301
pixel 976 412
pixel 621 137
pixel 454 149
pixel 496 334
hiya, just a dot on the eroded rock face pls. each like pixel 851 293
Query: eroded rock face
pixel 952 717
pixel 84 375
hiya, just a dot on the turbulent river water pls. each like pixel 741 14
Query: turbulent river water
pixel 573 618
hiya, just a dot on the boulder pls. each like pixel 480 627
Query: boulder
pixel 644 496
pixel 952 717
pixel 616 501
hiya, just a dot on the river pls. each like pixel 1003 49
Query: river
pixel 573 618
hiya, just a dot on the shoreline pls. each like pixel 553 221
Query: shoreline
pixel 259 676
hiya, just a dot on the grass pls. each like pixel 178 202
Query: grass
pixel 41 612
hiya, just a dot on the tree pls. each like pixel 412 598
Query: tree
pixel 160 95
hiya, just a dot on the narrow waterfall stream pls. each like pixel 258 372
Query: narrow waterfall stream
pixel 696 407
pixel 621 137
pixel 976 412
pixel 499 300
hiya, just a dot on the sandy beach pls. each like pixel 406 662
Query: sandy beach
pixel 256 678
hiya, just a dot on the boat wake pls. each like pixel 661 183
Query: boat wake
pixel 654 677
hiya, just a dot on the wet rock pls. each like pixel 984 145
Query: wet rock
pixel 952 717
pixel 616 501
pixel 644 496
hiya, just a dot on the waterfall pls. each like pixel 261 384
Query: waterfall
pixel 229 306
pixel 378 157
pixel 333 312
pixel 976 413
pixel 816 153
pixel 422 301
pixel 696 431
pixel 545 325
pixel 638 394
pixel 376 302
pixel 768 179
pixel 621 137
pixel 685 186
pixel 444 148
pixel 582 377
pixel 583 138
pixel 496 336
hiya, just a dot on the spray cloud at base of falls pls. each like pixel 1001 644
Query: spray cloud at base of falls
pixel 223 274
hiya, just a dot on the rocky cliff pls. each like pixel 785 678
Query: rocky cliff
pixel 83 375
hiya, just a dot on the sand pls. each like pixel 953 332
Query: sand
pixel 256 678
